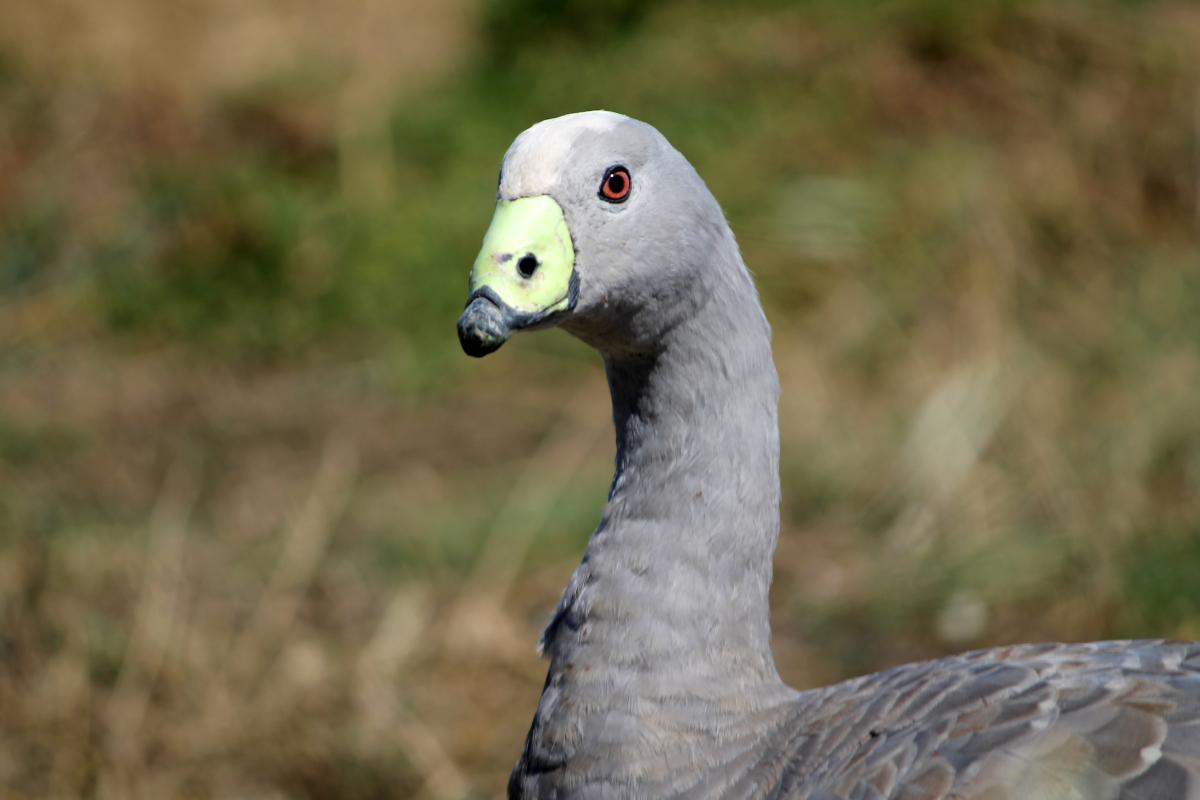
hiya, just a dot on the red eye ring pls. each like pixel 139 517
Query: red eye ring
pixel 617 183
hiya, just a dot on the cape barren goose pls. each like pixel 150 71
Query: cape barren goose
pixel 661 680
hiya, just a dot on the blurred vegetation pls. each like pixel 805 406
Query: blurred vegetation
pixel 266 532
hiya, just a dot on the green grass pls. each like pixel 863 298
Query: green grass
pixel 974 229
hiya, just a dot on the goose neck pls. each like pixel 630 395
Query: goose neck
pixel 678 573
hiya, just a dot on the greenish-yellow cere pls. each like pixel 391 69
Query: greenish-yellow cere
pixel 527 226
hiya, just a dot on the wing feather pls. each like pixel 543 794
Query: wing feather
pixel 1106 721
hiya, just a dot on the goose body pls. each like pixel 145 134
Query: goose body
pixel 661 680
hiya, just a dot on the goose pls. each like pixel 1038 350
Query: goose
pixel 661 681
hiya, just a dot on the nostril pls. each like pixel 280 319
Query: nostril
pixel 527 265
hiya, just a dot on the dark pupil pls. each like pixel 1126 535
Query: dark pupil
pixel 616 183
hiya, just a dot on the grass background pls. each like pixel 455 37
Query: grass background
pixel 265 532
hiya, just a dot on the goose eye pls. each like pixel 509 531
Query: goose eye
pixel 616 184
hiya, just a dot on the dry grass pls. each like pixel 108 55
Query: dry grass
pixel 275 538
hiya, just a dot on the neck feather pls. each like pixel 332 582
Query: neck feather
pixel 673 588
pixel 661 643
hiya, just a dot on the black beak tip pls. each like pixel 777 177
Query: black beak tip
pixel 482 328
pixel 475 345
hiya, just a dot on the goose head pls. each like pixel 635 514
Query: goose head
pixel 600 227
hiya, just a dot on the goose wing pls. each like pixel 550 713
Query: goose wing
pixel 1117 720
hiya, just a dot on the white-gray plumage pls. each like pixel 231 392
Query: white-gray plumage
pixel 661 680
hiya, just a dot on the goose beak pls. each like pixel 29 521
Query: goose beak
pixel 523 277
